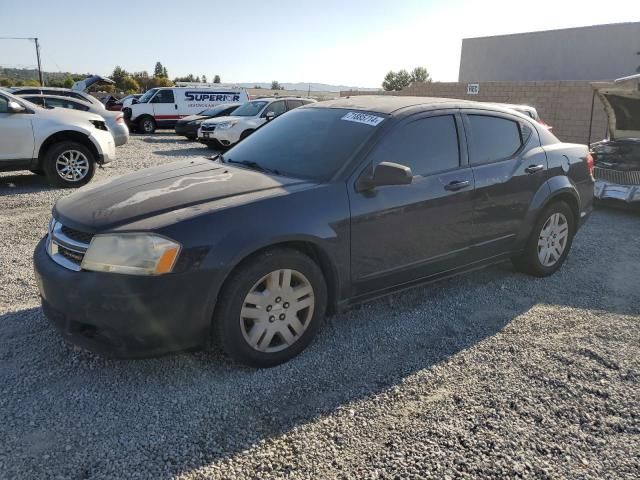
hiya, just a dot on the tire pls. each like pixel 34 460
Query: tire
pixel 276 329
pixel 550 241
pixel 146 125
pixel 79 161
pixel 245 134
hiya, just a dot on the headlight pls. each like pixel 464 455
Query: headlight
pixel 225 125
pixel 100 125
pixel 132 253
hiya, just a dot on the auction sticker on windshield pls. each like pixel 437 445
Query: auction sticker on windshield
pixel 365 118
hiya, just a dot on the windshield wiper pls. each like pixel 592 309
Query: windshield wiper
pixel 253 166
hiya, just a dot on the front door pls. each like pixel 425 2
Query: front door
pixel 165 108
pixel 16 134
pixel 509 167
pixel 407 232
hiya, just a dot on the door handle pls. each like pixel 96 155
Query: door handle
pixel 175 105
pixel 534 168
pixel 457 185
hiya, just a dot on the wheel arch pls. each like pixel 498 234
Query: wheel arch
pixel 310 249
pixel 63 136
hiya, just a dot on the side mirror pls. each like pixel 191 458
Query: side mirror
pixel 270 116
pixel 386 173
pixel 134 101
pixel 15 107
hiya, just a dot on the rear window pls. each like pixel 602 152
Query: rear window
pixel 492 139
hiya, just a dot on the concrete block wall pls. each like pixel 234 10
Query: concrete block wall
pixel 565 105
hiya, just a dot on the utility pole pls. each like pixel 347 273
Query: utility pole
pixel 35 39
pixel 38 56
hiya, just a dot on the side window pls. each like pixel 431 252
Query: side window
pixel 29 91
pixel 427 146
pixel 37 100
pixel 492 139
pixel 4 105
pixel 164 96
pixel 278 108
pixel 294 104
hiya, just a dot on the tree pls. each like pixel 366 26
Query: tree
pixel 276 86
pixel 158 70
pixel 216 79
pixel 204 79
pixel 143 80
pixel 129 85
pixel 165 74
pixel 160 82
pixel 403 79
pixel 118 75
pixel 389 83
pixel 420 75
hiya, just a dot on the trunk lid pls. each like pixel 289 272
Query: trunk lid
pixel 621 100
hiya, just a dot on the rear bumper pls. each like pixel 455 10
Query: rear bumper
pixel 604 190
pixel 124 316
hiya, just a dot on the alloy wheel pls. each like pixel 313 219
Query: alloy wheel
pixel 277 311
pixel 552 241
pixel 72 165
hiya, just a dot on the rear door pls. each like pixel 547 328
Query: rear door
pixel 402 233
pixel 509 166
pixel 16 135
pixel 165 108
pixel 291 104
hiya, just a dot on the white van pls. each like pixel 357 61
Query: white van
pixel 163 107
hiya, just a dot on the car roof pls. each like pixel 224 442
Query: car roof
pixel 61 97
pixel 390 104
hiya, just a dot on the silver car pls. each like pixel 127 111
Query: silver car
pixel 60 92
pixel 114 120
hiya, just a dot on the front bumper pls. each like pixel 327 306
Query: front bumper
pixel 603 190
pixel 186 130
pixel 125 315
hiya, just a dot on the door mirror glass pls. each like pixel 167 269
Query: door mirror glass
pixel 269 116
pixel 15 107
pixel 134 101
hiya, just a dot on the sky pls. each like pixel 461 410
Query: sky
pixel 340 42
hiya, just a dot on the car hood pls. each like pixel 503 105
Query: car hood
pixel 621 100
pixel 155 191
pixel 191 118
pixel 222 119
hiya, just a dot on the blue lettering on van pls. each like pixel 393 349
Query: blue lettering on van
pixel 212 96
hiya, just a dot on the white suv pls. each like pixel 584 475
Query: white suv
pixel 227 131
pixel 64 145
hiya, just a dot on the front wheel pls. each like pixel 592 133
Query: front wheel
pixel 550 241
pixel 270 308
pixel 69 164
pixel 147 125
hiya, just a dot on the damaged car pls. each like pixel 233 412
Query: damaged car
pixel 617 158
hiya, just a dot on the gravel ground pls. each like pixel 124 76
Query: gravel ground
pixel 494 374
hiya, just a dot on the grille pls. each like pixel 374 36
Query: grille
pixel 619 177
pixel 70 255
pixel 77 235
pixel 208 128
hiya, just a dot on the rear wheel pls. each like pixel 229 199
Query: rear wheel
pixel 147 125
pixel 69 164
pixel 550 241
pixel 270 308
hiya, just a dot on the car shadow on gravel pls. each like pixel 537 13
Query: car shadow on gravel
pixel 164 139
pixel 23 183
pixel 192 409
pixel 193 151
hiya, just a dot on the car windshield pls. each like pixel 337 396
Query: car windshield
pixel 309 143
pixel 147 96
pixel 249 109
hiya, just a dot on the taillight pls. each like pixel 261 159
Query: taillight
pixel 590 162
pixel 120 119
